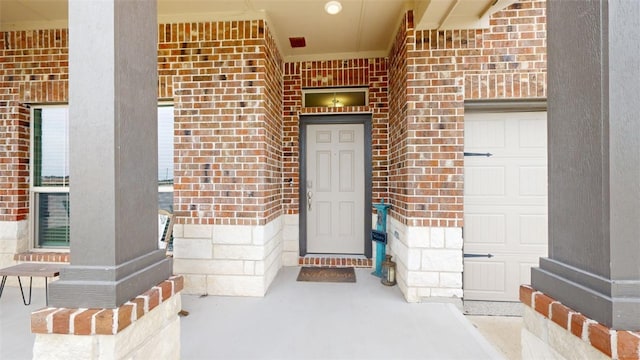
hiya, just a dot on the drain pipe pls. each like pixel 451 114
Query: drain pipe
pixel 380 236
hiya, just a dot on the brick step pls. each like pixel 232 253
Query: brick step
pixel 336 261
pixel 51 257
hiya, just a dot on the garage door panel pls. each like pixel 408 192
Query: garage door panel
pixel 491 278
pixel 532 133
pixel 485 181
pixel 487 228
pixel 484 276
pixel 533 181
pixel 505 209
pixel 486 134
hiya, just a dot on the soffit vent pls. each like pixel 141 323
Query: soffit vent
pixel 297 42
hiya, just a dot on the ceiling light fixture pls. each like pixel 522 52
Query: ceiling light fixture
pixel 333 7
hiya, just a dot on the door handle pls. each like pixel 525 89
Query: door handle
pixel 309 196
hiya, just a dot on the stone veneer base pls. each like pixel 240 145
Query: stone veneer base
pixel 552 330
pixel 147 326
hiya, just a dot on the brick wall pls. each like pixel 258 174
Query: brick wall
pixel 444 68
pixel 370 73
pixel 226 80
pixel 33 68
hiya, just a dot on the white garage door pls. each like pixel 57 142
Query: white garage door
pixel 505 202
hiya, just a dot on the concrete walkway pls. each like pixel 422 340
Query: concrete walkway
pixel 297 320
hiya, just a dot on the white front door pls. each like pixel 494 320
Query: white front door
pixel 505 202
pixel 335 188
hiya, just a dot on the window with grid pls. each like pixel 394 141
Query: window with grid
pixel 50 172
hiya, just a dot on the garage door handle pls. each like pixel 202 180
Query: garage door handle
pixel 478 255
pixel 477 154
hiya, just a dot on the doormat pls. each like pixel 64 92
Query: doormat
pixel 327 274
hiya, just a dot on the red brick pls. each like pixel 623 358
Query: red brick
pixel 560 315
pixel 124 316
pixel 541 303
pixel 104 322
pixel 39 320
pixel 178 283
pixel 139 301
pixel 600 338
pixel 154 298
pixel 526 293
pixel 61 321
pixel 165 290
pixel 578 322
pixel 628 345
pixel 83 321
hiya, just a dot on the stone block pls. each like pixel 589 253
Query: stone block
pixel 290 258
pixel 398 249
pixel 144 336
pixel 56 346
pixel 259 235
pixel 158 347
pixel 192 248
pixel 228 285
pixel 178 230
pixel 414 259
pixel 451 280
pixel 249 268
pixel 453 238
pixel 192 231
pixel 442 260
pixel 229 267
pixel 238 252
pixel 289 245
pixel 423 293
pixel 13 230
pixel 535 324
pixel 232 234
pixel 410 294
pixel 291 233
pixel 418 237
pixel 8 246
pixel 193 266
pixel 291 220
pixel 437 237
pixel 535 349
pixel 446 293
pixel 572 348
pixel 397 232
pixel 422 279
pixel 259 267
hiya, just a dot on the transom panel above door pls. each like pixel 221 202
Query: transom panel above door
pixel 335 185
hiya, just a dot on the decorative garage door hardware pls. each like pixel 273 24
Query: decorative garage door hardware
pixel 477 154
pixel 478 255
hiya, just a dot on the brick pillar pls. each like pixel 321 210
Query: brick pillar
pixel 14 175
pixel 228 184
pixel 426 166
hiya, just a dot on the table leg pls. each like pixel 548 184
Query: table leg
pixel 4 280
pixel 22 291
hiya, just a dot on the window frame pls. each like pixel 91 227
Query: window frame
pixel 35 190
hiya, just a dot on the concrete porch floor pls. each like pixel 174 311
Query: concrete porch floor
pixel 297 320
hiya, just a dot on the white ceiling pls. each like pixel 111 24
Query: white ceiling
pixel 364 28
